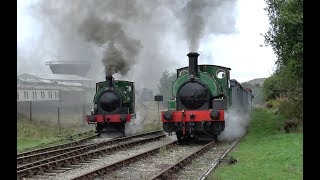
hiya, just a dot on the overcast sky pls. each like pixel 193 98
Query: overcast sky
pixel 239 50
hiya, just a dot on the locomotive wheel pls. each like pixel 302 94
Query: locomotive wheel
pixel 182 139
pixel 99 128
pixel 215 138
pixel 110 131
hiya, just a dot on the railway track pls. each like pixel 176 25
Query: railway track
pixel 214 164
pixel 20 156
pixel 169 161
pixel 30 159
pixel 68 157
pixel 99 173
pixel 199 165
pixel 138 159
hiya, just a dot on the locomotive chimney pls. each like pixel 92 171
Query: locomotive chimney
pixel 193 63
pixel 109 80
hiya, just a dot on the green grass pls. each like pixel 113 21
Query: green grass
pixel 266 152
pixel 39 134
pixel 29 143
pixel 147 127
pixel 152 122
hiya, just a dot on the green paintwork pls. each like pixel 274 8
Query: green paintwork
pixel 121 87
pixel 208 75
pixel 178 82
pixel 172 105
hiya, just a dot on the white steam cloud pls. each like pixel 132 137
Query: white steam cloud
pixel 236 125
pixel 148 36
pixel 135 40
pixel 136 125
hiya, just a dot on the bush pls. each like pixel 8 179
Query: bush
pixel 275 103
pixel 290 108
pixel 271 88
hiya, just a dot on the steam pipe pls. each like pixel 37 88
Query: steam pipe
pixel 193 63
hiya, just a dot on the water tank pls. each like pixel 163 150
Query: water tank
pixel 79 68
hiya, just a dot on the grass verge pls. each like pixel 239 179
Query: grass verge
pixel 266 152
pixel 37 135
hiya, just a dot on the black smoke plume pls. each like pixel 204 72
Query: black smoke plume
pixel 199 16
pixel 105 34
pixel 148 36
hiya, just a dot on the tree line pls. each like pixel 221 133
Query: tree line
pixel 283 90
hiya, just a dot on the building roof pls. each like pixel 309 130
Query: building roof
pixel 47 76
pixel 69 84
pixel 36 82
pixel 27 80
pixel 44 82
pixel 49 87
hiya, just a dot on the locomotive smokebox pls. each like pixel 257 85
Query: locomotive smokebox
pixel 109 80
pixel 193 63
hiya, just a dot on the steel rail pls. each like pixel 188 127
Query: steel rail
pixel 111 167
pixel 167 173
pixel 51 163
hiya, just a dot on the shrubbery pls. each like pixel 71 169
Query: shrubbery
pixel 283 91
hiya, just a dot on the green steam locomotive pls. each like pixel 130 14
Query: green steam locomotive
pixel 114 106
pixel 201 96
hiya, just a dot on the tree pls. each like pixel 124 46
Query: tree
pixel 270 88
pixel 286 38
pixel 165 85
pixel 286 32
